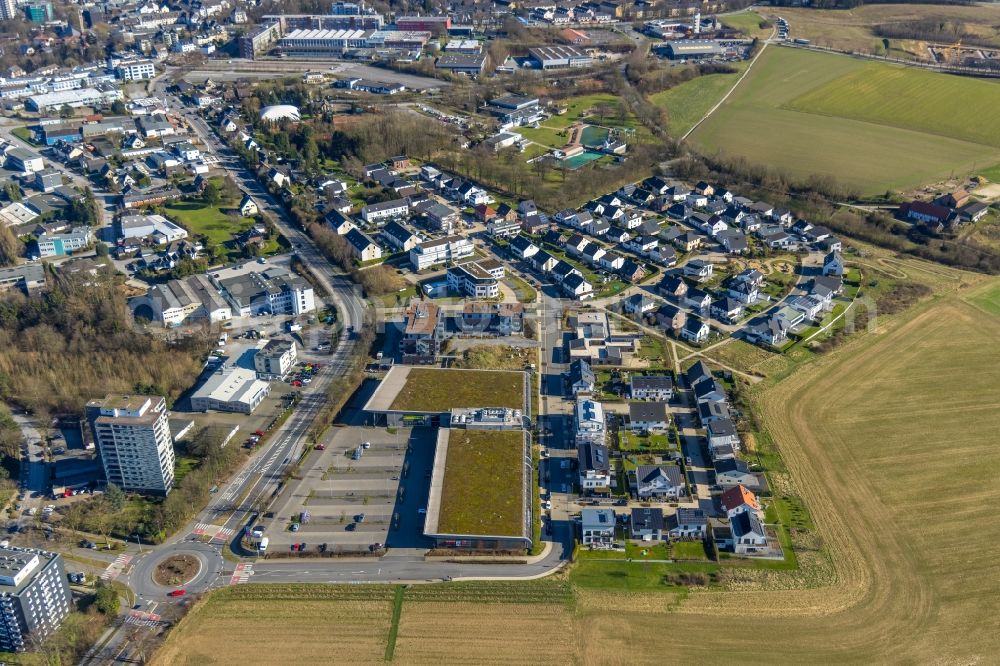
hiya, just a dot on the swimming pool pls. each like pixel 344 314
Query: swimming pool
pixel 593 136
pixel 578 161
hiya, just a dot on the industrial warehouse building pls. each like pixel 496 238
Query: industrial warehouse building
pixel 555 57
pixel 692 48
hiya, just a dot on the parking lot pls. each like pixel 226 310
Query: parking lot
pixel 350 497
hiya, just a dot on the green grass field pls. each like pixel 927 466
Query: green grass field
pixel 687 103
pixel 747 23
pixel 757 123
pixel 207 221
pixel 483 483
pixel 987 298
pixel 952 106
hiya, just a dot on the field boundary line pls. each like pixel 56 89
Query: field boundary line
pixel 736 85
pixel 397 611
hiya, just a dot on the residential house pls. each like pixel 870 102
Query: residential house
pixel 743 291
pixel 833 264
pixel 647 524
pixel 771 330
pixel 698 300
pixel 638 304
pixel 661 482
pixel 749 535
pixel 611 261
pixel 738 499
pixel 649 416
pixel 594 468
pixel 687 524
pixel 592 254
pixel 399 237
pixel 576 244
pixel 631 271
pixel 362 246
pixel 339 222
pixel 385 210
pixel 726 309
pixel 697 373
pixel 733 471
pixel 722 432
pixel 597 527
pixel 811 308
pixel 687 242
pixel 651 387
pixel 543 261
pixel 588 421
pixel 733 241
pixel 491 318
pixel 576 286
pixel 698 268
pixel 671 317
pixel 708 389
pixel 523 248
pixel 581 377
pixel 248 207
pixel 673 286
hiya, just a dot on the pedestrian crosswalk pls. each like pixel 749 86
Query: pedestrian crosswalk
pixel 115 568
pixel 214 532
pixel 142 619
pixel 241 574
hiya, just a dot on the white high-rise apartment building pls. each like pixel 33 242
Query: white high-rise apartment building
pixel 133 438
pixel 34 597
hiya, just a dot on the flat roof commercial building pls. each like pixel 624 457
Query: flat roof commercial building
pixel 275 359
pixel 413 396
pixel 471 64
pixel 230 389
pixel 480 494
pixel 34 596
pixel 273 290
pixel 555 57
pixel 178 301
pixel 476 279
pixel 133 438
pixel 73 98
pixel 26 277
pixel 692 48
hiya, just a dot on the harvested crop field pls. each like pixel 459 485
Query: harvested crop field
pixel 830 134
pixel 233 625
pixel 485 633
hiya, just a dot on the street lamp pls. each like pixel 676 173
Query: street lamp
pixel 139 543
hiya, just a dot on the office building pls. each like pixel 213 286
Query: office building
pixel 275 359
pixel 259 40
pixel 139 70
pixel 58 245
pixel 133 438
pixel 34 597
pixel 39 12
pixel 274 291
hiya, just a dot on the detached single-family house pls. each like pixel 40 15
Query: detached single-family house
pixel 638 304
pixel 363 247
pixel 748 533
pixel 733 471
pixel 597 527
pixel 248 207
pixel 698 300
pixel 744 292
pixel 611 261
pixel 670 316
pixel 698 268
pixel 695 330
pixel 726 309
pixel 581 377
pixel 771 330
pixel 647 524
pixel 657 482
pixel 595 468
pixel 576 286
pixel 833 264
pixel 399 237
pixel 739 499
pixel 523 248
pixel 687 524
pixel 648 416
pixel 672 286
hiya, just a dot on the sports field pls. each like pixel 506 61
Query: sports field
pixel 891 440
pixel 807 113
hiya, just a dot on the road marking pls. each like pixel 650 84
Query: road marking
pixel 242 573
pixel 115 569
pixel 143 619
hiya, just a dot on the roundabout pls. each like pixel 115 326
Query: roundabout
pixel 191 565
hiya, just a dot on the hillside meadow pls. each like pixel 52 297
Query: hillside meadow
pixel 862 123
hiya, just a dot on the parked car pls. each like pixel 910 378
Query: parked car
pixel 360 518
pixel 294 527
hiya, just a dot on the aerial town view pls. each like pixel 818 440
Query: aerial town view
pixel 499 332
